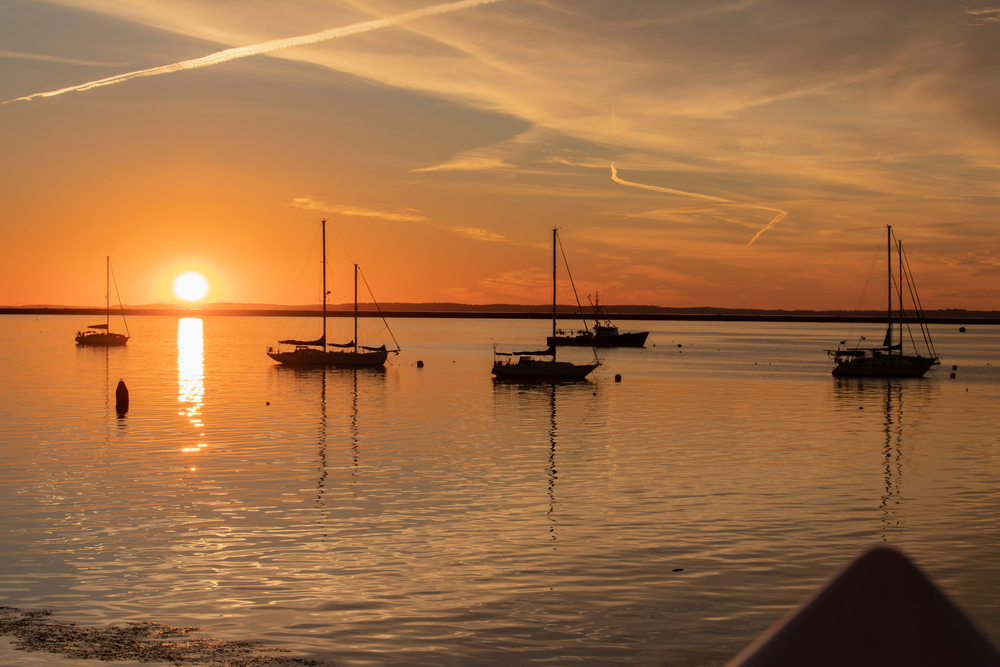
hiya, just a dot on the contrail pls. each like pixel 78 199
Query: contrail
pixel 781 214
pixel 266 47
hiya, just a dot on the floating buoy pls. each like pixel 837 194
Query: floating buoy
pixel 121 398
pixel 954 368
pixel 267 402
pixel 618 377
pixel 679 345
pixel 961 329
pixel 953 376
pixel 420 364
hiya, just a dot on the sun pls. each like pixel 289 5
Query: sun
pixel 190 286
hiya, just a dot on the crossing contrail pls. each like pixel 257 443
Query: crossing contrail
pixel 781 214
pixel 266 47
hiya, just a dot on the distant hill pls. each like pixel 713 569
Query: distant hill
pixel 509 311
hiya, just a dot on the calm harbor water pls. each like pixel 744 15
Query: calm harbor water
pixel 433 516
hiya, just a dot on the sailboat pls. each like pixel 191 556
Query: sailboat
pixel 101 334
pixel 315 352
pixel 888 359
pixel 606 334
pixel 528 365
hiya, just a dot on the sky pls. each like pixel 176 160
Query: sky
pixel 737 154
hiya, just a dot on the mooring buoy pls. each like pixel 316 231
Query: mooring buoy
pixel 420 364
pixel 121 398
pixel 618 377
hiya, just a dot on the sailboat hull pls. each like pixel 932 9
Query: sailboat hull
pixel 540 369
pixel 309 357
pixel 101 338
pixel 891 366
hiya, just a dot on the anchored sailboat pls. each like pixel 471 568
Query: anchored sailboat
pixel 528 365
pixel 888 359
pixel 101 334
pixel 347 354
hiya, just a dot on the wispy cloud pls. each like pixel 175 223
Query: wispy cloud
pixel 468 163
pixel 266 47
pixel 666 275
pixel 985 15
pixel 479 234
pixel 56 59
pixel 398 215
pixel 695 195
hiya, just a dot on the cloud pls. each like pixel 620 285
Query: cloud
pixel 984 16
pixel 399 215
pixel 525 286
pixel 695 195
pixel 55 59
pixel 666 275
pixel 479 234
pixel 266 47
pixel 468 163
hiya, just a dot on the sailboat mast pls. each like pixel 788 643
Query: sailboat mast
pixel 554 241
pixel 324 284
pixel 899 247
pixel 888 242
pixel 107 295
pixel 355 308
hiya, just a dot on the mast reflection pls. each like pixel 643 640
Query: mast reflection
pixel 539 394
pixel 354 379
pixel 553 473
pixel 322 469
pixel 891 499
pixel 890 395
pixel 190 373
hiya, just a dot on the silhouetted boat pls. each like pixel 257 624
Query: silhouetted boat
pixel 314 352
pixel 888 359
pixel 605 334
pixel 101 334
pixel 528 366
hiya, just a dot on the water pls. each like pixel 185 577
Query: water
pixel 432 516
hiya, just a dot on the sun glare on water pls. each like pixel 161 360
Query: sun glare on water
pixel 190 286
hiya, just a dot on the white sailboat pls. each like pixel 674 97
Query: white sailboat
pixel 315 352
pixel 542 364
pixel 889 359
pixel 101 334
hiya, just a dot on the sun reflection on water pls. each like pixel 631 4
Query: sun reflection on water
pixel 190 373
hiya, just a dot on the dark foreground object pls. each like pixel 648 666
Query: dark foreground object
pixel 121 398
pixel 881 611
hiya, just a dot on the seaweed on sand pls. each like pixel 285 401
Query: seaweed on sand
pixel 141 642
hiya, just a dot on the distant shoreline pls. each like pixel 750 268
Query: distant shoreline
pixel 534 313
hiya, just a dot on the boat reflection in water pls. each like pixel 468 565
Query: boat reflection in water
pixel 891 395
pixel 319 381
pixel 540 398
pixel 191 375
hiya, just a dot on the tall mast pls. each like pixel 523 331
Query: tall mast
pixel 107 295
pixel 554 241
pixel 899 247
pixel 355 308
pixel 888 241
pixel 324 284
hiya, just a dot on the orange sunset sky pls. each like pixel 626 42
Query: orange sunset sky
pixel 444 142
